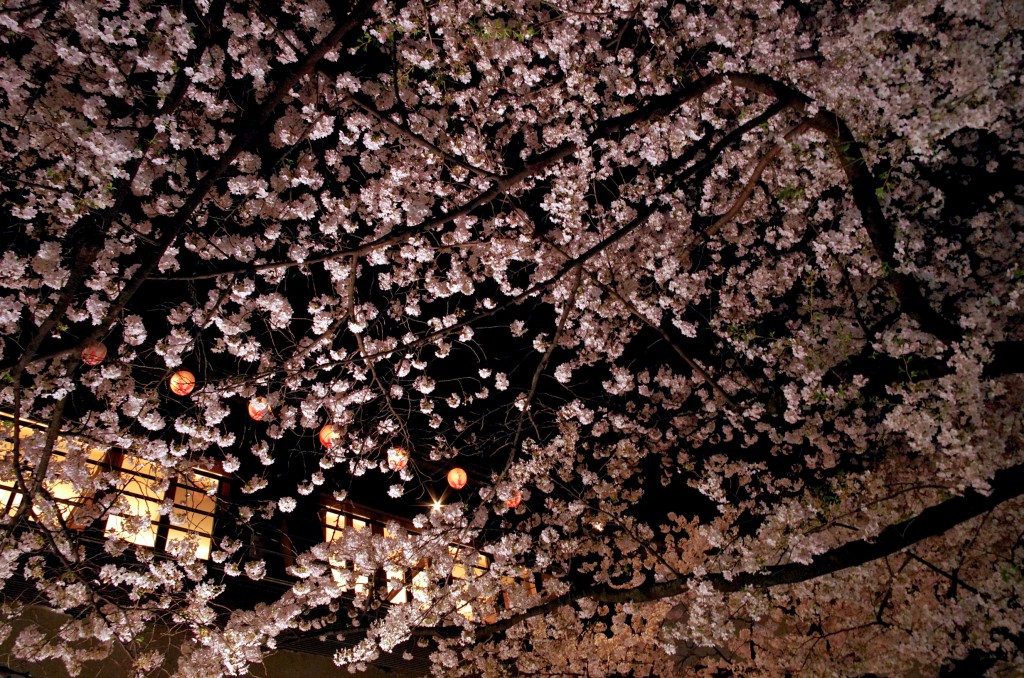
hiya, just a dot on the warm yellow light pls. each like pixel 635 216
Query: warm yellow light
pixel 457 478
pixel 437 504
pixel 182 382
pixel 397 458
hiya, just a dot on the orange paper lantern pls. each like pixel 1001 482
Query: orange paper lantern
pixel 182 382
pixel 514 500
pixel 328 436
pixel 397 458
pixel 457 478
pixel 258 408
pixel 93 353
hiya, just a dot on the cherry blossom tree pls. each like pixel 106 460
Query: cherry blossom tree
pixel 718 303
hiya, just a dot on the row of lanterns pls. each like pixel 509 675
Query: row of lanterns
pixel 183 383
pixel 398 459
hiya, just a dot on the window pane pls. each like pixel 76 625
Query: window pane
pixel 396 585
pixel 68 494
pixel 192 519
pixel 335 523
pixel 142 491
pixel 60 469
pixel 201 544
pixel 8 495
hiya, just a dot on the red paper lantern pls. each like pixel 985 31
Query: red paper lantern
pixel 514 500
pixel 258 408
pixel 457 478
pixel 182 382
pixel 328 436
pixel 93 353
pixel 397 458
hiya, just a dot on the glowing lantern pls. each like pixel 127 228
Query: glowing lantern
pixel 457 478
pixel 514 500
pixel 328 436
pixel 397 458
pixel 182 382
pixel 258 408
pixel 93 353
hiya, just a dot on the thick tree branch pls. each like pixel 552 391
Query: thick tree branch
pixel 38 473
pixel 655 109
pixel 931 522
pixel 862 185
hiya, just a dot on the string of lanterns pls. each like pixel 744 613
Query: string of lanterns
pixel 183 382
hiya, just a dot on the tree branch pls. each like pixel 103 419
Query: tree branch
pixel 931 522
pixel 656 108
pixel 570 304
pixel 398 129
pixel 862 185
pixel 251 126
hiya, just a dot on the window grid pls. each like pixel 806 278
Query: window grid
pixel 193 504
pixel 139 492
pixel 402 585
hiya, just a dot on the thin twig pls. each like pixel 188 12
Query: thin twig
pixel 367 108
pixel 570 303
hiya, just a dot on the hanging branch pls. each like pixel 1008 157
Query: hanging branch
pixel 570 304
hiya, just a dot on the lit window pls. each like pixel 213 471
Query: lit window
pixel 335 525
pixel 479 564
pixel 514 589
pixel 69 469
pixel 140 488
pixel 136 511
pixel 395 575
pixel 145 486
pixel 418 585
pixel 195 505
pixel 406 584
